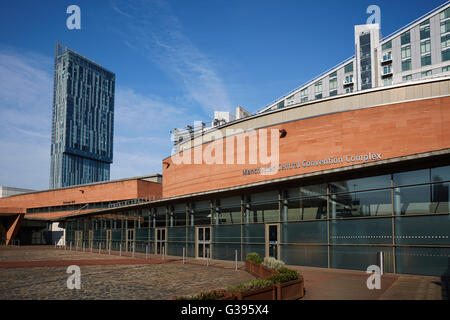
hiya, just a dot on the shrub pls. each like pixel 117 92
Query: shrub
pixel 284 275
pixel 254 257
pixel 250 285
pixel 272 263
pixel 211 295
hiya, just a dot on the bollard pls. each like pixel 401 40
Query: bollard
pixel 109 249
pixel 163 253
pixel 91 246
pixel 183 253
pixel 120 249
pixel 235 259
pixel 146 251
pixel 99 247
pixel 207 257
pixel 134 248
pixel 70 246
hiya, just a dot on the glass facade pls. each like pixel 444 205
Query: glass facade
pixel 83 117
pixel 338 224
pixel 365 61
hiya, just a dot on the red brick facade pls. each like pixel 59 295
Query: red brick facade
pixel 391 131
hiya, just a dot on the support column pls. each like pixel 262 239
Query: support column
pixel 14 224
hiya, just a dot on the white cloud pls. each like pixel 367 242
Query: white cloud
pixel 25 119
pixel 142 124
pixel 155 30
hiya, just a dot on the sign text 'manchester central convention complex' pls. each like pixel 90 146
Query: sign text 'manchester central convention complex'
pixel 363 167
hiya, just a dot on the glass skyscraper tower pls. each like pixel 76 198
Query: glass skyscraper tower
pixel 83 120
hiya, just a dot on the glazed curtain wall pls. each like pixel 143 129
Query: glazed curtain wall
pixel 341 224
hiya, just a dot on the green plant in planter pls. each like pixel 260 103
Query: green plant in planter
pixel 250 285
pixel 272 263
pixel 211 295
pixel 254 257
pixel 284 275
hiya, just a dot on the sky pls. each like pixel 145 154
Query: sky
pixel 175 62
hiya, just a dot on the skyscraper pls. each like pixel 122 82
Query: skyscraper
pixel 83 120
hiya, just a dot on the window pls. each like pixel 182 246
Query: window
pixel 387 69
pixel 426 73
pixel 348 68
pixel 445 55
pixel 333 84
pixel 349 89
pixel 333 75
pixel 387 81
pixel 304 95
pixel 318 90
pixel 333 87
pixel 406 52
pixel 426 60
pixel 405 38
pixel 386 46
pixel 280 105
pixel 406 65
pixel 349 79
pixel 387 56
pixel 290 100
pixel 425 29
pixel 445 69
pixel 425 47
pixel 445 41
pixel 445 14
pixel 407 78
pixel 445 26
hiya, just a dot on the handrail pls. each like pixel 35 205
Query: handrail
pixel 305 83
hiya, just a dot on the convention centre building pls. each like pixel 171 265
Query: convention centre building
pixel 353 163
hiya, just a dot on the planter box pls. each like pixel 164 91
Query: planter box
pixel 252 268
pixel 291 290
pixel 228 296
pixel 265 273
pixel 258 270
pixel 259 294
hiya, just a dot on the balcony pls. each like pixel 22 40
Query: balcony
pixel 348 82
pixel 386 59
pixel 386 72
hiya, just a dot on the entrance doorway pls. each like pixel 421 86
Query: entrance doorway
pixel 203 243
pixel 108 239
pixel 79 238
pixel 91 238
pixel 273 241
pixel 160 240
pixel 130 240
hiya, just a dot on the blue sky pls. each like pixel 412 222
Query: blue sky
pixel 175 62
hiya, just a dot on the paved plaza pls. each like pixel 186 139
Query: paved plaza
pixel 40 273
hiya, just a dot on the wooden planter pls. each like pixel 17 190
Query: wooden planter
pixel 228 296
pixel 259 294
pixel 252 268
pixel 265 273
pixel 258 270
pixel 291 290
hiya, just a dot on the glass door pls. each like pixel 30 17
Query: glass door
pixel 160 241
pixel 203 247
pixel 79 238
pixel 91 238
pixel 130 240
pixel 108 239
pixel 272 240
